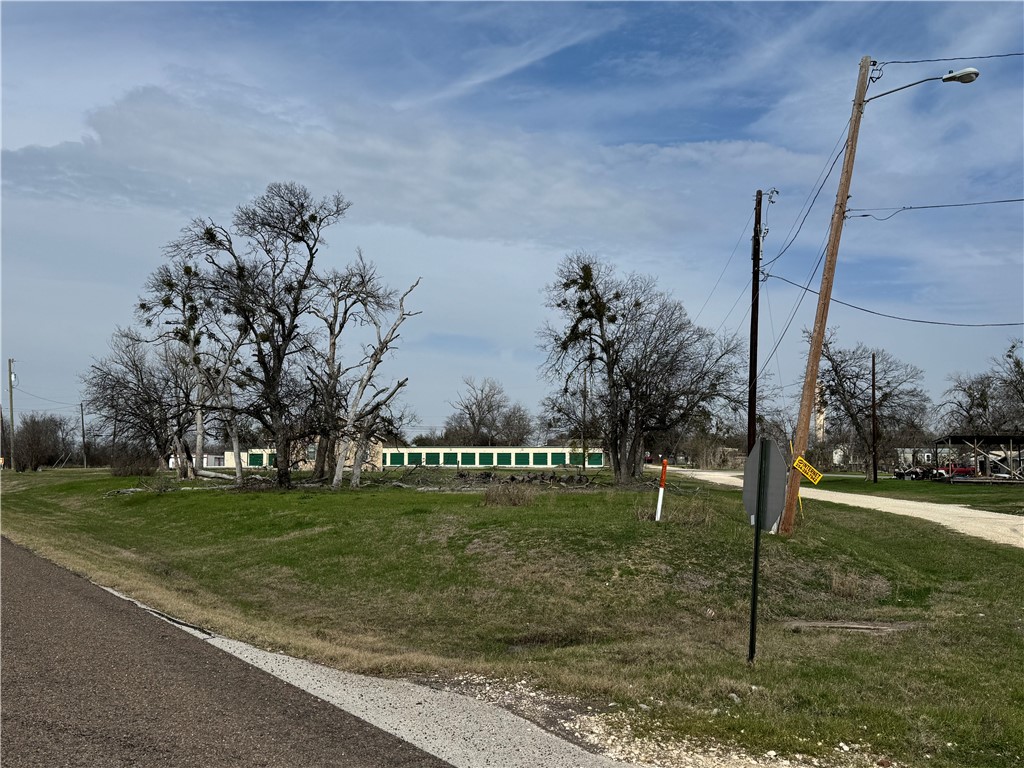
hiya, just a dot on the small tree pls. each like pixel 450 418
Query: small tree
pixel 134 392
pixel 44 440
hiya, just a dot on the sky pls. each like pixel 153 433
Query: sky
pixel 481 142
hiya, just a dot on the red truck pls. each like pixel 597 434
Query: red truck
pixel 952 470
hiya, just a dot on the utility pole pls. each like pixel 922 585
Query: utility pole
pixel 10 393
pixel 874 424
pixel 755 282
pixel 803 425
pixel 85 458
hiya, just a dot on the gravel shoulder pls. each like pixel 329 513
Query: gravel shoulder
pixel 993 526
pixel 475 722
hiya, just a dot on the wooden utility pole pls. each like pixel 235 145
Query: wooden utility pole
pixel 755 282
pixel 803 425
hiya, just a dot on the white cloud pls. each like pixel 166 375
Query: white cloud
pixel 482 196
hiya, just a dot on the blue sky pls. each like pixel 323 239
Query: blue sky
pixel 480 142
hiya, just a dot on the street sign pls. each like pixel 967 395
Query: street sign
pixel 807 470
pixel 775 484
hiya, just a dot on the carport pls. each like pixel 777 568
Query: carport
pixel 990 454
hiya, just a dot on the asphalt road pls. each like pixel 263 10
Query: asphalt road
pixel 91 680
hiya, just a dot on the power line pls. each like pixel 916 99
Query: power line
pixel 957 58
pixel 722 274
pixel 897 317
pixel 46 399
pixel 837 151
pixel 865 213
pixel 876 71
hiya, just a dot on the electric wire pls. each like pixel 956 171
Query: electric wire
pixel 727 263
pixel 46 399
pixel 956 58
pixel 823 247
pixel 865 213
pixel 840 145
pixel 771 322
pixel 807 289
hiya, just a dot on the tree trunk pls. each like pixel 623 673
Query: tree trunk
pixel 362 449
pixel 236 449
pixel 284 466
pixel 200 441
pixel 320 463
pixel 339 472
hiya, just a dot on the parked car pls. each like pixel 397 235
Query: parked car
pixel 952 470
pixel 912 473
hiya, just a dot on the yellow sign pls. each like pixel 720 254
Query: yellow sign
pixel 807 470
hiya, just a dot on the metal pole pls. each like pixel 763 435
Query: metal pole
pixel 755 283
pixel 803 425
pixel 762 502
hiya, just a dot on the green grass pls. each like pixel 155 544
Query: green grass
pixel 579 592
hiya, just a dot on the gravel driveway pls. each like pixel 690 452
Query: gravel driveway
pixel 1000 528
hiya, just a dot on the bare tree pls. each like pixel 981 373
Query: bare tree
pixel 845 395
pixel 134 392
pixel 367 397
pixel 265 283
pixel 654 369
pixel 991 402
pixel 179 307
pixel 515 426
pixel 478 414
pixel 44 440
pixel 357 295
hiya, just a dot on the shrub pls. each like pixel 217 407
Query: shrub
pixel 509 495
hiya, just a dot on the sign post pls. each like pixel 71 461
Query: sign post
pixel 764 496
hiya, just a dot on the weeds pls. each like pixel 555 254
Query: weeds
pixel 510 495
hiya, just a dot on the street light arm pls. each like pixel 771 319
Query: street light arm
pixel 968 75
pixel 902 87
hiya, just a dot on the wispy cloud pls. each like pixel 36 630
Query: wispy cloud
pixel 480 142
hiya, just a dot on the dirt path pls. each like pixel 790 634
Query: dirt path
pixel 1000 528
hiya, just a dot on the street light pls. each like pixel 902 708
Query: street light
pixel 803 425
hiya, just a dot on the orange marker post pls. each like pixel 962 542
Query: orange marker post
pixel 661 490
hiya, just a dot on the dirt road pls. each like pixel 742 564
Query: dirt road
pixel 1000 528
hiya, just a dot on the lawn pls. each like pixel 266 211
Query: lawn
pixel 576 590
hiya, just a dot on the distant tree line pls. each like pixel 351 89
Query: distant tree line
pixel 238 338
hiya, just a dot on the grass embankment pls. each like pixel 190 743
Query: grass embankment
pixel 577 594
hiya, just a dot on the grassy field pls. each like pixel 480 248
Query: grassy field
pixel 578 591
